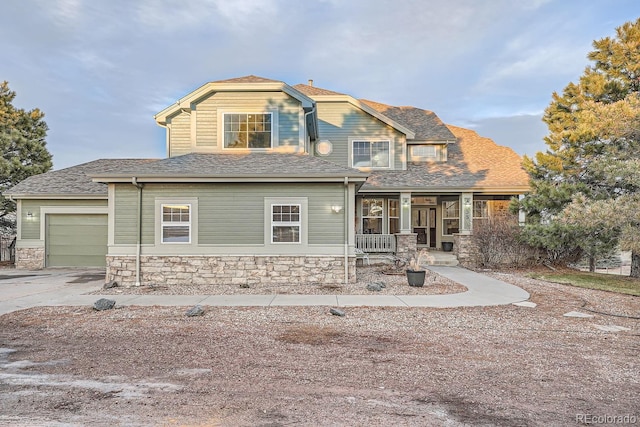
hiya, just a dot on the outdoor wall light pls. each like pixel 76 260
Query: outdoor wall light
pixel 336 208
pixel 405 202
pixel 29 215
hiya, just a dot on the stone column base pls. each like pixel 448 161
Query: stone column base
pixel 406 245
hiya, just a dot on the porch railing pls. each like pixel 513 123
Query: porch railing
pixel 371 243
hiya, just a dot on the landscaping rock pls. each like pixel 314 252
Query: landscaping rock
pixel 111 284
pixel 337 312
pixel 195 311
pixel 376 286
pixel 525 304
pixel 104 304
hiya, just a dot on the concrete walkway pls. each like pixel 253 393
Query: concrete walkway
pixel 67 287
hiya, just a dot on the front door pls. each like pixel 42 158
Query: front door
pixel 423 223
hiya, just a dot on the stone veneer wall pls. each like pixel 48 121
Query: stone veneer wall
pixel 465 249
pixel 234 270
pixel 29 258
pixel 406 245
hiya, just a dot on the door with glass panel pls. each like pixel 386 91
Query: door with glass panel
pixel 423 223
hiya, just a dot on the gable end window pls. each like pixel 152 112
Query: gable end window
pixel 176 223
pixel 372 154
pixel 286 223
pixel 248 130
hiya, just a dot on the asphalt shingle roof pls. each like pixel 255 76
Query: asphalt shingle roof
pixel 426 124
pixel 74 180
pixel 314 91
pixel 474 162
pixel 246 164
pixel 248 79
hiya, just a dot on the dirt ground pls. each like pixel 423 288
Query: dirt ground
pixel 504 366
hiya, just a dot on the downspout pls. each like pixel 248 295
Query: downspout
pixel 134 181
pixel 346 230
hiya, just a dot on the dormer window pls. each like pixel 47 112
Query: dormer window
pixel 371 154
pixel 248 130
pixel 423 152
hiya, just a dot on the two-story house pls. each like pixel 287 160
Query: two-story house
pixel 265 182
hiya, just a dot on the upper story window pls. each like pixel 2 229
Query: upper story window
pixel 248 130
pixel 423 152
pixel 176 223
pixel 373 154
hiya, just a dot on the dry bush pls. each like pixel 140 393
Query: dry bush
pixel 499 244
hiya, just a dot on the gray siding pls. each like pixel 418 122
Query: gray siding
pixel 180 137
pixel 231 214
pixel 31 227
pixel 338 121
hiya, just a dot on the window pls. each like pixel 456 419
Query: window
pixel 248 130
pixel 372 210
pixel 285 223
pixel 176 223
pixel 374 154
pixel 421 152
pixel 480 209
pixel 450 217
pixel 394 216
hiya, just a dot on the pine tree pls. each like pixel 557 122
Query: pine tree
pixel 585 188
pixel 23 148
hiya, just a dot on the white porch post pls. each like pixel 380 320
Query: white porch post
pixel 466 207
pixel 405 213
pixel 521 213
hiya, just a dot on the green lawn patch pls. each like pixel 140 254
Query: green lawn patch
pixel 584 279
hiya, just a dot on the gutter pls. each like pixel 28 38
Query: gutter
pixel 134 181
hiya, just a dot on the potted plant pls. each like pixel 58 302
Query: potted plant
pixel 415 272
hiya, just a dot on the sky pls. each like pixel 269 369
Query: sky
pixel 101 69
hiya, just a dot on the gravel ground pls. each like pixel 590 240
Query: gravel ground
pixel 277 366
pixel 395 284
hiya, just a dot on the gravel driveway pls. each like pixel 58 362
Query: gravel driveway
pixel 509 365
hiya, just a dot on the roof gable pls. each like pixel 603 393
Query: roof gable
pixel 240 84
pixel 426 124
pixel 324 95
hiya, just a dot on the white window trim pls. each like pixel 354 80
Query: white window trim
pixel 413 157
pixel 382 215
pixel 444 217
pixel 164 225
pixel 193 223
pixel 274 128
pixel 297 223
pixel 303 223
pixel 486 202
pixel 390 141
pixel 389 217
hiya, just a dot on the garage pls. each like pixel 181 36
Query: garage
pixel 76 240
